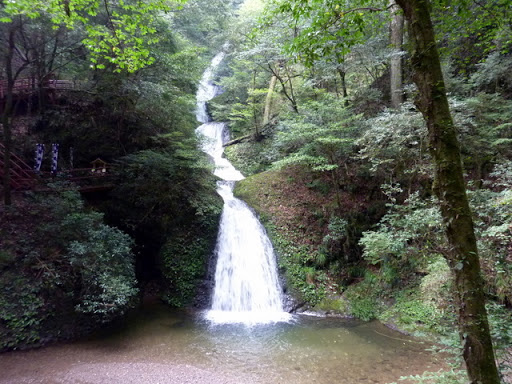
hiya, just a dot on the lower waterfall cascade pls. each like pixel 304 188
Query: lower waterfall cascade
pixel 247 288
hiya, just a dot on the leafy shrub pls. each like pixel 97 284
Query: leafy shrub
pixel 364 308
pixel 436 287
pixel 363 298
pixel 250 157
pixel 493 213
pixel 184 265
pixel 406 238
pixel 320 137
pixel 412 312
pixel 394 145
pixel 72 272
pixel 103 263
pixel 20 311
pixel 332 243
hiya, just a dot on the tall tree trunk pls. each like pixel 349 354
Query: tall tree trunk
pixel 450 188
pixel 6 116
pixel 397 39
pixel 257 131
pixel 342 74
pixel 292 93
pixel 268 100
pixel 288 94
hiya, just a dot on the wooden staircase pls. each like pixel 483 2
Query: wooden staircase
pixel 24 178
pixel 22 175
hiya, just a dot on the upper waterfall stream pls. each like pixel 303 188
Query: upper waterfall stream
pixel 247 288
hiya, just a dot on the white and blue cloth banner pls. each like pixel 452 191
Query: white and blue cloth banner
pixel 39 157
pixel 71 157
pixel 55 157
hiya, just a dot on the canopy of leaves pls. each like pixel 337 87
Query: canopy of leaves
pixel 320 137
pixel 115 33
pixel 324 28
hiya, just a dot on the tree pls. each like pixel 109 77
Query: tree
pixel 319 138
pixel 449 183
pixel 116 34
pixel 397 37
pixel 450 189
pixel 11 76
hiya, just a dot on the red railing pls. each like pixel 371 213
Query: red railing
pixel 22 176
pixel 29 85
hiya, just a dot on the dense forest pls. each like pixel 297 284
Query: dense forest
pixel 375 137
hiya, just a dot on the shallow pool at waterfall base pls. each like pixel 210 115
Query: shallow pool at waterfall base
pixel 247 318
pixel 162 345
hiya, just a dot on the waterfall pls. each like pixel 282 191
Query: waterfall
pixel 247 288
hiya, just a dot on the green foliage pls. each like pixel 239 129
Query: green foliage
pixel 325 26
pixel 485 30
pixel 69 266
pixel 363 298
pixel 304 281
pixel 320 137
pixel 184 265
pixel 99 264
pixel 407 236
pixel 162 189
pixel 363 308
pixel 103 263
pixel 115 33
pixel 436 286
pixel 332 243
pixel 166 197
pixel 241 102
pixel 501 327
pixel 20 311
pixel 250 157
pixel 413 312
pixel 205 23
pixel 492 74
pixel 494 211
pixel 394 144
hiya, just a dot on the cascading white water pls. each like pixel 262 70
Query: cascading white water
pixel 247 288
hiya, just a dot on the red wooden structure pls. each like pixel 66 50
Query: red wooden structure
pixel 27 86
pixel 87 179
pixel 22 176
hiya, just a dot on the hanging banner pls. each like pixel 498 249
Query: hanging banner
pixel 55 157
pixel 71 157
pixel 39 157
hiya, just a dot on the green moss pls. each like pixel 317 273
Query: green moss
pixel 259 189
pixel 249 157
pixel 184 257
pixel 336 305
pixel 184 264
pixel 363 300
